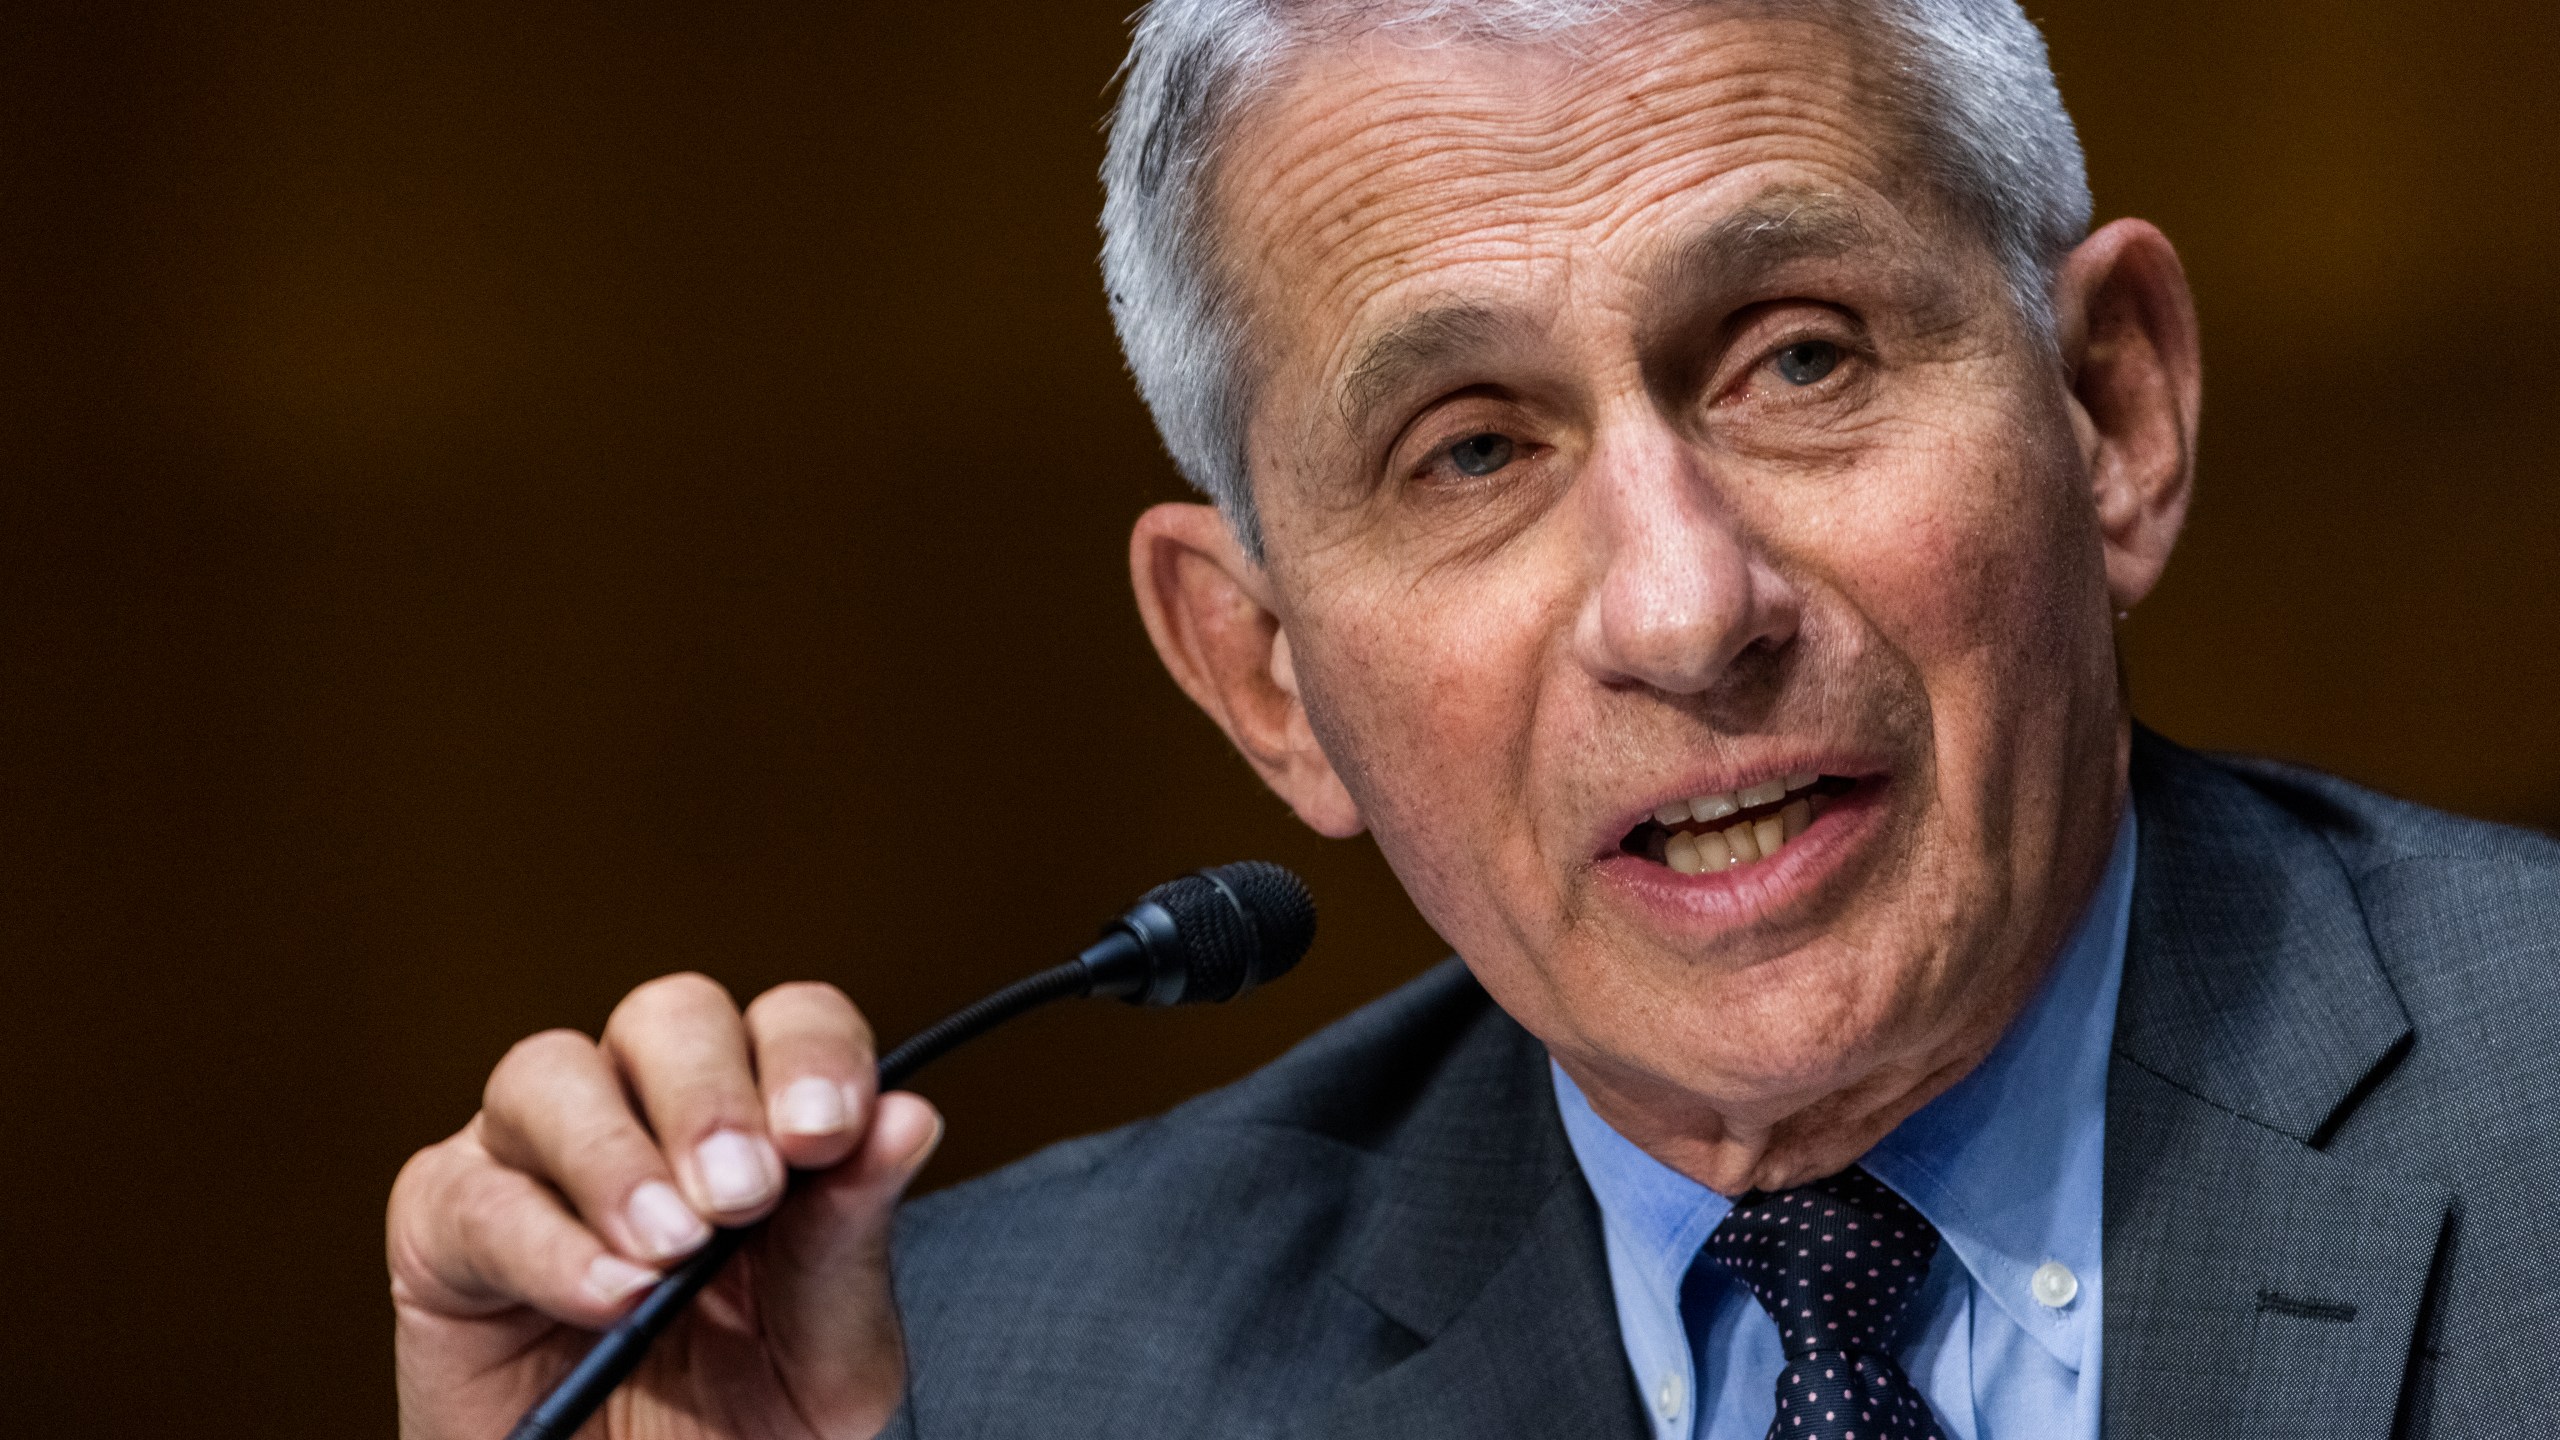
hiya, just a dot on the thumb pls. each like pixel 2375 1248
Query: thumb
pixel 823 1280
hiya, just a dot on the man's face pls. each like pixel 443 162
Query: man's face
pixel 1630 431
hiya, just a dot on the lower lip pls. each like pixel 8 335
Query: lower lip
pixel 1763 889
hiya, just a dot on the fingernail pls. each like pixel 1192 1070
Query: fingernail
pixel 612 1279
pixel 665 1226
pixel 737 1173
pixel 809 1106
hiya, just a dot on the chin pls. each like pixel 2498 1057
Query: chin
pixel 1762 1041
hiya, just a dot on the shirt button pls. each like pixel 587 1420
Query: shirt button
pixel 1666 1395
pixel 2054 1286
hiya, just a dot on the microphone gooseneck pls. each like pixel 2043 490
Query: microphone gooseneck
pixel 1209 936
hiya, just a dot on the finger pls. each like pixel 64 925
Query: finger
pixel 556 1110
pixel 680 1045
pixel 478 1237
pixel 831 1315
pixel 814 1065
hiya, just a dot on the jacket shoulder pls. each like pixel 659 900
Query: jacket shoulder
pixel 2371 830
pixel 2463 914
pixel 1176 1276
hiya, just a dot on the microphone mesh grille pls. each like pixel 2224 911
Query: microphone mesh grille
pixel 1238 925
pixel 1284 915
pixel 1217 941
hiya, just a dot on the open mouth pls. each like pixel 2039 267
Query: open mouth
pixel 1740 827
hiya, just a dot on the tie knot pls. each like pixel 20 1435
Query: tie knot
pixel 1834 1263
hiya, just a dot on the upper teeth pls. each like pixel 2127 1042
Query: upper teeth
pixel 1716 807
pixel 1740 844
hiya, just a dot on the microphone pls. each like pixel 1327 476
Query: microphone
pixel 1209 936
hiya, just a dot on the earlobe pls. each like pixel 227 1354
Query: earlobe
pixel 2132 347
pixel 1210 611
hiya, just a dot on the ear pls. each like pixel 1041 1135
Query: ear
pixel 2136 369
pixel 1209 610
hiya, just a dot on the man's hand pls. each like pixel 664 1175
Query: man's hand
pixel 592 1166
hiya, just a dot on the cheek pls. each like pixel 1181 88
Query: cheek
pixel 1975 568
pixel 1425 696
pixel 1969 563
pixel 1415 701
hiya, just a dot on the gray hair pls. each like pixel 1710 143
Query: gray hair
pixel 1970 76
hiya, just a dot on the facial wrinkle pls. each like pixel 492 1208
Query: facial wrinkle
pixel 1435 339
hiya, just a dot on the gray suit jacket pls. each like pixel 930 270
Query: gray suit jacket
pixel 2332 1208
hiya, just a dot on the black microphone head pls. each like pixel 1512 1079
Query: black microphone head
pixel 1216 933
pixel 1284 915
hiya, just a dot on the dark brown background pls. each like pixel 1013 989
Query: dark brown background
pixel 502 504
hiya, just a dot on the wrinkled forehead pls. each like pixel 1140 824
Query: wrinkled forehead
pixel 1388 164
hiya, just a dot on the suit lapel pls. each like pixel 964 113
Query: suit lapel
pixel 1483 1243
pixel 2255 1285
pixel 1535 1354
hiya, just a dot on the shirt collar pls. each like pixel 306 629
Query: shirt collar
pixel 2008 1164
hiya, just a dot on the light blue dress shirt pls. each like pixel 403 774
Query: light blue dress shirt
pixel 2008 1164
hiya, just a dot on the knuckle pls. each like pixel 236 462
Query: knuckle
pixel 420 1228
pixel 532 1056
pixel 803 994
pixel 668 997
pixel 810 1023
pixel 806 1001
pixel 485 1212
pixel 413 1270
pixel 463 1216
pixel 413 1187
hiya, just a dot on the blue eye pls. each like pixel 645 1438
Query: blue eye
pixel 1807 362
pixel 1480 454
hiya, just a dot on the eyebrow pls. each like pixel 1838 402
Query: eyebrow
pixel 1772 230
pixel 1417 344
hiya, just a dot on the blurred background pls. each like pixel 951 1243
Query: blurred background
pixel 498 502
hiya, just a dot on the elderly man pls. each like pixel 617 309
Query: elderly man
pixel 1678 468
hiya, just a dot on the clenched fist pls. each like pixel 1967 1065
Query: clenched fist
pixel 593 1165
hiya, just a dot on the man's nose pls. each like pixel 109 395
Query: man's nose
pixel 1682 588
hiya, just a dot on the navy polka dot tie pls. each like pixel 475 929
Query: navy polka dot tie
pixel 1835 1263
